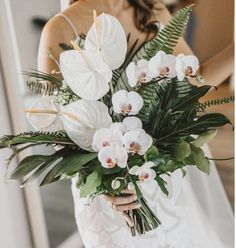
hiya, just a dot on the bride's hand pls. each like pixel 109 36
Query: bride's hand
pixel 124 203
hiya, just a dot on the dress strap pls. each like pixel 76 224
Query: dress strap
pixel 70 23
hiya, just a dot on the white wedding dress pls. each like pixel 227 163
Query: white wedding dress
pixel 196 214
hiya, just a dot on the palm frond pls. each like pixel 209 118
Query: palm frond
pixel 41 87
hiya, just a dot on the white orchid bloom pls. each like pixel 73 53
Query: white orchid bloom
pixel 43 115
pixel 105 137
pixel 132 123
pixel 163 65
pixel 82 118
pixel 118 126
pixel 186 66
pixel 138 73
pixel 137 141
pixel 85 73
pixel 145 172
pixel 113 155
pixel 107 37
pixel 125 102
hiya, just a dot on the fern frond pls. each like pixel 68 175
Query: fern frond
pixel 168 37
pixel 225 100
pixel 165 40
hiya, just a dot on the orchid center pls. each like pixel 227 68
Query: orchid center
pixel 143 177
pixel 126 109
pixel 164 71
pixel 110 163
pixel 135 147
pixel 105 143
pixel 142 77
pixel 189 71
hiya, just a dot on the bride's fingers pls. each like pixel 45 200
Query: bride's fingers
pixel 128 191
pixel 127 207
pixel 119 200
pixel 128 219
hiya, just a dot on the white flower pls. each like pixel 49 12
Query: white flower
pixel 132 123
pixel 118 126
pixel 105 137
pixel 138 73
pixel 163 65
pixel 145 172
pixel 44 115
pixel 125 102
pixel 115 184
pixel 113 155
pixel 137 141
pixel 85 73
pixel 186 66
pixel 107 37
pixel 82 118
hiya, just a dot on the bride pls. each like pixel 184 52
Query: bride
pixel 196 213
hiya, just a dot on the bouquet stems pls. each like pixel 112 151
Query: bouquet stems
pixel 144 219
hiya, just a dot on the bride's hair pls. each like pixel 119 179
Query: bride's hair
pixel 143 13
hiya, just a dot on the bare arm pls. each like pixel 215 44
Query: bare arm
pixel 214 70
pixel 56 31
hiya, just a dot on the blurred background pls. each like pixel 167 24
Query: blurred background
pixel 210 30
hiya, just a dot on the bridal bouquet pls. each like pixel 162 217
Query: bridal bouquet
pixel 118 119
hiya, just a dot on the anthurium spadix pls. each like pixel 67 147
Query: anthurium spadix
pixel 82 118
pixel 86 73
pixel 107 37
pixel 43 115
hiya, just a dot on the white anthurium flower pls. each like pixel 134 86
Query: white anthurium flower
pixel 145 172
pixel 43 115
pixel 85 73
pixel 186 66
pixel 137 141
pixel 127 103
pixel 107 37
pixel 138 73
pixel 105 137
pixel 132 123
pixel 163 65
pixel 113 155
pixel 82 118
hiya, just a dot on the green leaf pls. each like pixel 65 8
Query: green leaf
pixel 204 138
pixel 162 184
pixel 171 166
pixel 181 151
pixel 151 153
pixel 29 164
pixel 93 181
pixel 69 165
pixel 201 161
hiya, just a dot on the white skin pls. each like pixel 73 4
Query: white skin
pixel 57 30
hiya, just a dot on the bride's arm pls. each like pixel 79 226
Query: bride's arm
pixel 216 69
pixel 52 34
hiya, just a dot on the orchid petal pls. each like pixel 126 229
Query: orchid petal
pixel 132 123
